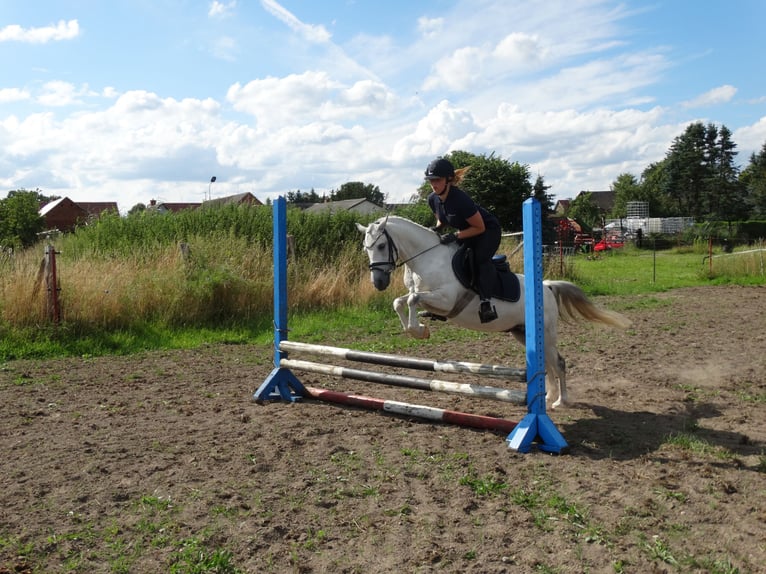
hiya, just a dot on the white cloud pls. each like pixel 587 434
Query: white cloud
pixel 225 48
pixel 750 139
pixel 719 95
pixel 221 9
pixel 520 49
pixel 110 92
pixel 457 72
pixel 317 34
pixel 276 101
pixel 58 93
pixel 435 133
pixel 9 95
pixel 141 136
pixel 60 31
pixel 431 28
pixel 310 97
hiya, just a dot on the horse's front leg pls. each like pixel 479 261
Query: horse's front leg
pixel 406 308
pixel 400 306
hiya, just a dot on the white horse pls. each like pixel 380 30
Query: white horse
pixel 394 241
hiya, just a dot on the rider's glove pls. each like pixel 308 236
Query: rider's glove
pixel 448 238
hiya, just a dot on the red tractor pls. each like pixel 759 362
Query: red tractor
pixel 571 231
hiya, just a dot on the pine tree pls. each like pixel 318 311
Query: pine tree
pixel 753 178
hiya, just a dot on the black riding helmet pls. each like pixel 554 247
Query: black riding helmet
pixel 440 168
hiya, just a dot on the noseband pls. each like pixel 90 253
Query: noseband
pixel 393 254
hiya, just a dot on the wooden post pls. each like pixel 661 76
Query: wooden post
pixel 51 281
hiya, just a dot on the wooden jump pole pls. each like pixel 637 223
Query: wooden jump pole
pixel 477 391
pixel 498 371
pixel 408 409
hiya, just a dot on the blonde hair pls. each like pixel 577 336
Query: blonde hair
pixel 460 174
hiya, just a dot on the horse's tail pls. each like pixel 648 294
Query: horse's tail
pixel 573 303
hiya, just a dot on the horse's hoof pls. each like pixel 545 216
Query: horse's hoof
pixel 422 332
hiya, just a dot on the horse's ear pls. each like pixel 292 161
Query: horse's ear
pixel 361 228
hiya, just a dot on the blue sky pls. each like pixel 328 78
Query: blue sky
pixel 132 100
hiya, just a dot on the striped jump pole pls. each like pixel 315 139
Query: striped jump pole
pixel 459 367
pixel 418 411
pixel 478 391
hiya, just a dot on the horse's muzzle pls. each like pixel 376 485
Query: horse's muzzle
pixel 380 279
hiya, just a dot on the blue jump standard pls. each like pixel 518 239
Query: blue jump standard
pixel 536 428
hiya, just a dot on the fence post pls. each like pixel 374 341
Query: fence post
pixel 51 281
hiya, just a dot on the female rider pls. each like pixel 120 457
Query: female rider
pixel 476 227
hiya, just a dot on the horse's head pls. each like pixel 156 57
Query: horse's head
pixel 381 251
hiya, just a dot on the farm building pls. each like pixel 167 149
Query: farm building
pixel 358 205
pixel 64 214
pixel 171 207
pixel 246 198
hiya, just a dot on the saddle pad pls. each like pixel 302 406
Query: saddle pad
pixel 505 286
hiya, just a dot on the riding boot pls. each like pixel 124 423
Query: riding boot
pixel 487 311
pixel 433 316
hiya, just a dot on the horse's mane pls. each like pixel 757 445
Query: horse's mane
pixel 398 218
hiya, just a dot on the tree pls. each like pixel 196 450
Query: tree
pixel 653 183
pixel 358 190
pixel 585 211
pixel 753 178
pixel 726 193
pixel 700 177
pixel 137 208
pixel 20 219
pixel 687 171
pixel 626 189
pixel 302 197
pixel 540 193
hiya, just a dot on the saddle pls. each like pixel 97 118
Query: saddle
pixel 506 284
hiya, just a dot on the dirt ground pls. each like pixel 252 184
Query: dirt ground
pixel 162 462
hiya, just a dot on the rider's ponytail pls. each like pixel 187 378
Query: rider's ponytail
pixel 460 174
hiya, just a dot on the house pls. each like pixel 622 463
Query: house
pixel 64 214
pixel 170 207
pixel 358 205
pixel 562 207
pixel 604 200
pixel 246 198
pixel 97 208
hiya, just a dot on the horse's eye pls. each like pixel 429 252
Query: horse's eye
pixel 381 246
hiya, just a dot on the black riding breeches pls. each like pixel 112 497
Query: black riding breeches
pixel 484 247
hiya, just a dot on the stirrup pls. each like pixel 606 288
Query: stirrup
pixel 487 312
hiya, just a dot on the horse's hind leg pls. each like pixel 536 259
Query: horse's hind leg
pixel 557 370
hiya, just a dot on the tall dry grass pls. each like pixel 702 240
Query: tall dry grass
pixel 745 262
pixel 219 278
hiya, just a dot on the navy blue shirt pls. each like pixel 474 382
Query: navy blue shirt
pixel 458 208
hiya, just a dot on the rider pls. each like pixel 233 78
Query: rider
pixel 476 227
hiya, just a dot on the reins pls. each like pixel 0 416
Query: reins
pixel 393 254
pixel 417 255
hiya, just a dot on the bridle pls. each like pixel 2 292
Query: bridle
pixel 393 254
pixel 388 266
